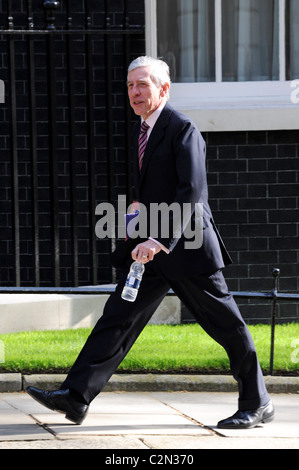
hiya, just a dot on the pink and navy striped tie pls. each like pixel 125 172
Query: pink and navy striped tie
pixel 142 141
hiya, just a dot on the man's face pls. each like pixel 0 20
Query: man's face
pixel 145 97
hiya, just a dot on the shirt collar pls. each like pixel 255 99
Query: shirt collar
pixel 152 119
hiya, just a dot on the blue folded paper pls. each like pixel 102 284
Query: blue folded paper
pixel 131 221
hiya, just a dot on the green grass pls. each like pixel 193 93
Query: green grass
pixel 160 349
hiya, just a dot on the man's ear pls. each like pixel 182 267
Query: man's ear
pixel 164 90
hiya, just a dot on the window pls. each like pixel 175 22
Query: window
pixel 229 54
pixel 292 39
pixel 250 40
pixel 186 40
pixel 247 46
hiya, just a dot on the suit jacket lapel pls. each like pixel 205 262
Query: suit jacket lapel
pixel 155 138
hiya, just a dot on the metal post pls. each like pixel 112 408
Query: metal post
pixel 50 6
pixel 33 137
pixel 91 145
pixel 275 274
pixel 109 114
pixel 14 149
pixel 73 152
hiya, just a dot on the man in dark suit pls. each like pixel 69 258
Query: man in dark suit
pixel 169 167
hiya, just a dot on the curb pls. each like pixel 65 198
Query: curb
pixel 149 382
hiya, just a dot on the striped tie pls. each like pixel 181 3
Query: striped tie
pixel 142 141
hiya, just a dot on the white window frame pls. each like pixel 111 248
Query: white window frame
pixel 231 106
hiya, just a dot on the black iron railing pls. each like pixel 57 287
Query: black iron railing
pixel 56 35
pixel 272 296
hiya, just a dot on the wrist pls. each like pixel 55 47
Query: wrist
pixel 166 250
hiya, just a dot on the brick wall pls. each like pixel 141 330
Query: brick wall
pixel 254 194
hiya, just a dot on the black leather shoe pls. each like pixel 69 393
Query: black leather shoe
pixel 248 419
pixel 61 401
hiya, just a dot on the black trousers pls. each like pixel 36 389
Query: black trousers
pixel 206 297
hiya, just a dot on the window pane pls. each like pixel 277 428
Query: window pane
pixel 186 38
pixel 250 40
pixel 292 42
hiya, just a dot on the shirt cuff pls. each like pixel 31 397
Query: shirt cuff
pixel 166 250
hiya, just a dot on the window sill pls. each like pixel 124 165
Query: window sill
pixel 242 106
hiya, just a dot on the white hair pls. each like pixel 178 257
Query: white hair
pixel 159 69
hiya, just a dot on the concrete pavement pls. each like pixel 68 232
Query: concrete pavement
pixel 146 420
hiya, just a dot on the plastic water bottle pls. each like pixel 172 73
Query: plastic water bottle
pixel 133 281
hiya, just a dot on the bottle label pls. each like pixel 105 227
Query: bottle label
pixel 133 282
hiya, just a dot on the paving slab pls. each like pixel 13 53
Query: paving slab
pixel 209 408
pixel 189 443
pixel 146 420
pixel 17 424
pixel 102 443
pixel 119 413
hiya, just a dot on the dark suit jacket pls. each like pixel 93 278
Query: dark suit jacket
pixel 174 170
